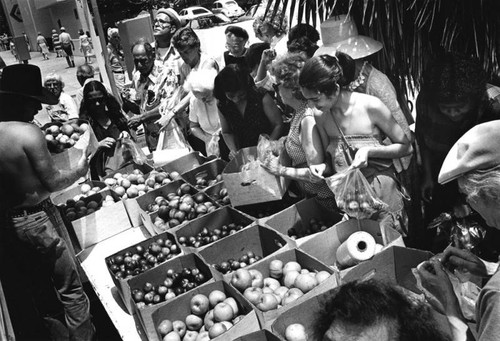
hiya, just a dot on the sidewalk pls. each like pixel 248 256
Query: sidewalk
pixel 53 65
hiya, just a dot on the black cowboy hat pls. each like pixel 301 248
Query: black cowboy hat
pixel 25 80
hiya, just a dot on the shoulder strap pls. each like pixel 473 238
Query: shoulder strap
pixel 342 135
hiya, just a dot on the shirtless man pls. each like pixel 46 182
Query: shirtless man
pixel 30 223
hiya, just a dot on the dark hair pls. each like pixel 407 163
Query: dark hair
pixel 454 77
pixel 321 73
pixel 302 44
pixel 239 32
pixel 348 68
pixel 254 54
pixel 150 51
pixel 185 38
pixel 303 30
pixel 363 304
pixel 114 109
pixel 286 69
pixel 232 78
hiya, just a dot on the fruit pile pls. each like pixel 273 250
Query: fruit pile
pixel 175 284
pixel 176 208
pixel 210 317
pixel 232 264
pixel 65 136
pixel 137 183
pixel 221 197
pixel 286 284
pixel 206 236
pixel 79 208
pixel 314 227
pixel 85 191
pixel 132 263
pixel 202 181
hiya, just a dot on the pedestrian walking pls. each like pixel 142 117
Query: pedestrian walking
pixel 57 44
pixel 67 46
pixel 42 45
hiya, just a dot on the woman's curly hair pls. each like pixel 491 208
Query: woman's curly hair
pixel 454 77
pixel 286 69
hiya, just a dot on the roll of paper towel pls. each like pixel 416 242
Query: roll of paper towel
pixel 360 246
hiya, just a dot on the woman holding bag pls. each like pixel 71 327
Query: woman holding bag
pixel 106 118
pixel 352 127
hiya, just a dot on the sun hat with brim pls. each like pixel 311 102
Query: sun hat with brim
pixel 25 80
pixel 172 14
pixel 339 33
pixel 477 149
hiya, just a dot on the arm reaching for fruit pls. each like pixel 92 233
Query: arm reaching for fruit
pixel 38 155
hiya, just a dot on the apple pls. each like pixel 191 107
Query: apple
pixel 281 292
pixel 276 268
pixel 290 277
pixel 208 321
pixel 267 302
pixel 305 282
pixel 322 276
pixel 215 297
pixel 241 279
pixel 191 335
pixel 223 312
pixel 229 325
pixel 257 278
pixel 295 332
pixel 216 330
pixel 291 296
pixel 253 294
pixel 199 304
pixel 172 336
pixel 232 302
pixel 271 283
pixel 304 271
pixel 290 266
pixel 203 336
pixel 165 327
pixel 193 322
pixel 179 328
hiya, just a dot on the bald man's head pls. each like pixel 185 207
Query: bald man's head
pixel 84 72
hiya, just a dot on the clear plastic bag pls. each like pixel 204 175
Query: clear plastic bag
pixel 130 151
pixel 354 195
pixel 267 148
pixel 212 146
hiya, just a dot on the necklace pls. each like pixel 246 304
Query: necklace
pixel 358 81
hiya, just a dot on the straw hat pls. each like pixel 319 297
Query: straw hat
pixel 479 148
pixel 25 80
pixel 339 33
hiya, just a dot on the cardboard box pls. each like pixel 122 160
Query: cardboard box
pixel 307 262
pixel 214 193
pixel 255 185
pixel 136 206
pixel 157 276
pixel 128 169
pixel 179 308
pixel 261 335
pixel 61 197
pixel 122 283
pixel 324 245
pixel 103 223
pixel 185 163
pixel 262 241
pixel 305 313
pixel 68 158
pixel 393 264
pixel 147 219
pixel 298 217
pixel 266 209
pixel 216 219
pixel 208 171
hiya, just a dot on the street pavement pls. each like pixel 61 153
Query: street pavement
pixel 52 65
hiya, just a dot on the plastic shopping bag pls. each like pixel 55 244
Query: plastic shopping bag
pixel 354 195
pixel 212 146
pixel 268 149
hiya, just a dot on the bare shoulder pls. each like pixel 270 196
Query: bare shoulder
pixel 21 132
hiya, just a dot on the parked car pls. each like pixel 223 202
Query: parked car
pixel 208 21
pixel 193 12
pixel 228 7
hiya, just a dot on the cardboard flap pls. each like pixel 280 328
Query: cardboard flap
pixel 207 171
pixel 185 163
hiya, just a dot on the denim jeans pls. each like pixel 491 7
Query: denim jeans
pixel 36 235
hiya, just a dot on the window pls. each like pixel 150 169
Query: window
pixel 199 11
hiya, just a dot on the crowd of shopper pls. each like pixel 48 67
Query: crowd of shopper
pixel 332 110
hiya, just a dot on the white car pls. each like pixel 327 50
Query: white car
pixel 193 12
pixel 228 7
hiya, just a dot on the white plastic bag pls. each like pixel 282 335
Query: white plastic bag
pixel 212 146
